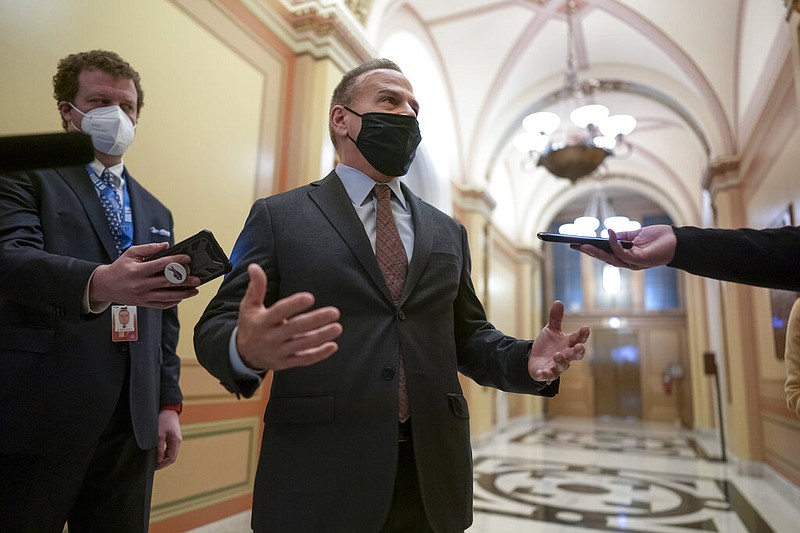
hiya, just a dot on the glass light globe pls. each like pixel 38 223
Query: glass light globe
pixel 617 223
pixel 605 142
pixel 573 229
pixel 589 114
pixel 543 122
pixel 568 229
pixel 617 125
pixel 590 223
pixel 530 142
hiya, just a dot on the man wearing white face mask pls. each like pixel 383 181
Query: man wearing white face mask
pixel 111 130
pixel 87 412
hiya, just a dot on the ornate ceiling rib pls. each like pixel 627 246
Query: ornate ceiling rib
pixel 315 27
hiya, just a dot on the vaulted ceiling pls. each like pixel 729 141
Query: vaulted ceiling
pixel 697 74
pixel 692 72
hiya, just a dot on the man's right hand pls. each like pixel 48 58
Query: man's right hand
pixel 131 280
pixel 284 335
pixel 652 246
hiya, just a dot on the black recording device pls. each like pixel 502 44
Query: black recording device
pixel 45 150
pixel 208 259
pixel 598 242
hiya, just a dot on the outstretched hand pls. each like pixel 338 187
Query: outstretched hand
pixel 284 335
pixel 652 246
pixel 552 350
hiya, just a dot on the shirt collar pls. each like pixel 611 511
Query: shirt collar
pixel 117 170
pixel 359 186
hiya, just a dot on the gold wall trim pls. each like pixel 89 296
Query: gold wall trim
pixel 780 434
pixel 198 386
pixel 248 428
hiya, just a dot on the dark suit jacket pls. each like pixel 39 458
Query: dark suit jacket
pixel 329 450
pixel 767 258
pixel 60 373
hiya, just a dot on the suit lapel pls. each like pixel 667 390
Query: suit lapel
pixel 78 180
pixel 140 209
pixel 331 197
pixel 423 240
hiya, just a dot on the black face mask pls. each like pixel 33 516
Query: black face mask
pixel 388 141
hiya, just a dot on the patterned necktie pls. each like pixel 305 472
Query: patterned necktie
pixel 112 209
pixel 393 262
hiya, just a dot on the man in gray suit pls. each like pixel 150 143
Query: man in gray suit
pixel 365 325
pixel 89 395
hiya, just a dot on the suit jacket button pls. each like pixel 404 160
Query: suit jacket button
pixel 401 315
pixel 387 373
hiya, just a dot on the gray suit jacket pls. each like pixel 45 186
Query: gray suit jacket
pixel 329 449
pixel 61 374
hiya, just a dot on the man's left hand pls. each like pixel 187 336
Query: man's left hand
pixel 552 350
pixel 169 438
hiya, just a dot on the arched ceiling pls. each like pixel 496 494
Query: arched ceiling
pixel 676 66
pixel 697 75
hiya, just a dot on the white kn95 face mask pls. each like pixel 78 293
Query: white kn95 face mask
pixel 111 130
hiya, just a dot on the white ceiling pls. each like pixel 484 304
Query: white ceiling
pixel 692 72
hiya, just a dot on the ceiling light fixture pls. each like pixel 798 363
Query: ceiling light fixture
pixel 576 148
pixel 598 211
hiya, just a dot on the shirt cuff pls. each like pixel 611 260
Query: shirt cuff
pixel 241 371
pixel 87 306
pixel 177 407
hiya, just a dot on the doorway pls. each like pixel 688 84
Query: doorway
pixel 617 375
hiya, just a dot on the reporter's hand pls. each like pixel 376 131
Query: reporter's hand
pixel 131 280
pixel 553 351
pixel 652 246
pixel 283 335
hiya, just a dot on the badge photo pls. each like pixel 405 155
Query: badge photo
pixel 124 323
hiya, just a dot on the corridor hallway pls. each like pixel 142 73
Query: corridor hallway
pixel 580 475
pixel 575 475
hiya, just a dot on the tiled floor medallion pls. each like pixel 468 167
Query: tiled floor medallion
pixel 614 441
pixel 610 499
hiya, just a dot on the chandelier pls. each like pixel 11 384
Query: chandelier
pixel 598 218
pixel 576 148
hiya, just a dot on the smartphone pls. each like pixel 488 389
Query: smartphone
pixel 208 259
pixel 599 242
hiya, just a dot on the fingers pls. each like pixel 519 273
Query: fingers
pixel 580 336
pixel 602 255
pixel 168 454
pixel 142 251
pixel 556 316
pixel 160 451
pixel 616 247
pixel 286 334
pixel 307 339
pixel 168 297
pixel 256 289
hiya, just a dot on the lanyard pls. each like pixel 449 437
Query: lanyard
pixel 111 195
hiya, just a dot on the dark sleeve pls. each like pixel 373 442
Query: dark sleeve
pixel 30 275
pixel 213 331
pixel 485 354
pixel 170 392
pixel 766 258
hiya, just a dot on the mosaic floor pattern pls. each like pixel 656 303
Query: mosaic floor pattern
pixel 595 475
pixel 604 475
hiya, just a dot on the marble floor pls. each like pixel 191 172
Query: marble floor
pixel 590 475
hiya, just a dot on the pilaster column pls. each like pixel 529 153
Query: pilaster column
pixel 740 350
